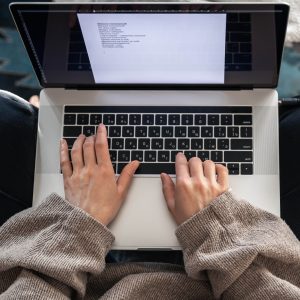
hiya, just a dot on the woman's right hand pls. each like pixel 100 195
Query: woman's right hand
pixel 196 186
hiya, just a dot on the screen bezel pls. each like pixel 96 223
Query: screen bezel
pixel 86 7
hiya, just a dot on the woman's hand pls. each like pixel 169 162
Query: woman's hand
pixel 196 186
pixel 91 183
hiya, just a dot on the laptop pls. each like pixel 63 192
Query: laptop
pixel 163 77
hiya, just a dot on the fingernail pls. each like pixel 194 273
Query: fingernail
pixel 62 141
pixel 179 153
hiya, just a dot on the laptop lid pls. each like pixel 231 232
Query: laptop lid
pixel 154 45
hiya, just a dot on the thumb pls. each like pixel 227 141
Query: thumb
pixel 168 188
pixel 125 178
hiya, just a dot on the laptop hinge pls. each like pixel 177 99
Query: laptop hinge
pixel 157 87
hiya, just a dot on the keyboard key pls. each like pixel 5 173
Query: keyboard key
pixel 189 154
pixel 180 131
pixel 157 144
pixel 150 156
pixel 161 119
pixel 127 131
pixel 130 143
pixel 117 143
pixel 115 131
pixel 140 131
pixel 238 27
pixel 174 120
pixel 122 119
pixel 203 155
pixel 109 143
pixel 134 119
pixel 246 47
pixel 69 119
pixel 187 120
pixel 213 120
pixel 70 142
pixel 167 131
pixel 113 155
pixel 196 144
pixel 124 156
pixel 154 131
pixel 241 144
pixel 226 119
pixel 152 168
pixel 170 144
pixel 109 119
pixel 193 131
pixel 238 156
pixel 163 156
pixel 223 144
pixel 210 144
pixel 246 169
pixel 183 144
pixel 242 58
pixel 206 131
pixel 216 156
pixel 96 119
pixel 233 169
pixel 200 119
pixel 82 119
pixel 137 155
pixel 88 130
pixel 148 119
pixel 233 132
pixel 144 143
pixel 173 155
pixel 72 131
pixel 243 120
pixel 220 131
pixel 240 37
pixel 246 132
pixel 232 47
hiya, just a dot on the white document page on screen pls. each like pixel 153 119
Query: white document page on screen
pixel 155 48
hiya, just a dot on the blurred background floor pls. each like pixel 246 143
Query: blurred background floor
pixel 17 75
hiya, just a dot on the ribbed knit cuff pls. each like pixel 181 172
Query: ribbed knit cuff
pixel 79 222
pixel 197 228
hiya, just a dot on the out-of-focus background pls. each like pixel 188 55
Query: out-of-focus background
pixel 17 75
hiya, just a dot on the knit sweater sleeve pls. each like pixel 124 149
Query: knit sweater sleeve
pixel 245 252
pixel 51 250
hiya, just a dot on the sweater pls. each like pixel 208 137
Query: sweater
pixel 231 250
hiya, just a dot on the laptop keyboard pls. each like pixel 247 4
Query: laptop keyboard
pixel 154 135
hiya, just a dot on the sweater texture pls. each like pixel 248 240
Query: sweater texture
pixel 231 250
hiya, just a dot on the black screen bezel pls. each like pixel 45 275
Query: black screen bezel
pixel 216 7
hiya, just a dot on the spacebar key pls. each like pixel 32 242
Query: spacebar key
pixel 154 168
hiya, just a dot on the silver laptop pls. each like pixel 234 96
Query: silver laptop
pixel 163 78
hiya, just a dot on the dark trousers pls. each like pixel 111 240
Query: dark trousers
pixel 18 128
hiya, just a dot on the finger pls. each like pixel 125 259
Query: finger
pixel 181 166
pixel 209 170
pixel 168 188
pixel 89 155
pixel 196 167
pixel 65 163
pixel 222 176
pixel 76 153
pixel 125 178
pixel 101 145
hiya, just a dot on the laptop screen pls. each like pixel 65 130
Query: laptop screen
pixel 154 45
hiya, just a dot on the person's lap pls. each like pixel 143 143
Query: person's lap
pixel 18 127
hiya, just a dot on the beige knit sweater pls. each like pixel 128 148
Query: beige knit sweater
pixel 231 251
